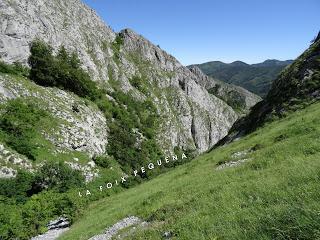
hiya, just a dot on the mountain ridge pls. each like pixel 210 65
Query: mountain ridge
pixel 256 78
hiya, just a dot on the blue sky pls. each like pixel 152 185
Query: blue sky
pixel 197 31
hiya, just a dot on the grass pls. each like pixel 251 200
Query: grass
pixel 275 195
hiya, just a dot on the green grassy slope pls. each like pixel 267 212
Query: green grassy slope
pixel 274 195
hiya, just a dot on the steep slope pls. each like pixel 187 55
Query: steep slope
pixel 296 87
pixel 256 78
pixel 269 191
pixel 194 119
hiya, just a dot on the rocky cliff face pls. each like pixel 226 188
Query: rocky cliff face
pixel 70 23
pixel 237 97
pixel 192 118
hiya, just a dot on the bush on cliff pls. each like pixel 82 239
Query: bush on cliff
pixel 63 70
pixel 19 120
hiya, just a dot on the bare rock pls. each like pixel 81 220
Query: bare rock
pixel 122 224
pixel 6 172
pixel 51 234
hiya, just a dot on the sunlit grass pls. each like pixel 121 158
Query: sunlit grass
pixel 274 195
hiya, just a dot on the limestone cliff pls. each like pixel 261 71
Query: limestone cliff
pixel 237 97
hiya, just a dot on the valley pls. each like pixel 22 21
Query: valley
pixel 105 135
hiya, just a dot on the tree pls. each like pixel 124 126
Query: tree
pixel 63 70
pixel 42 64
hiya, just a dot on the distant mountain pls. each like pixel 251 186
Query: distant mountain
pixel 256 78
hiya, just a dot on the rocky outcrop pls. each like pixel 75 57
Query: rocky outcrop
pixel 192 118
pixel 60 222
pixel 89 170
pixel 195 119
pixel 81 127
pixel 6 172
pixel 10 161
pixel 51 234
pixel 55 229
pixel 125 223
pixel 237 97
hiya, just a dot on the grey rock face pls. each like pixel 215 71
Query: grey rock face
pixel 193 118
pixel 227 92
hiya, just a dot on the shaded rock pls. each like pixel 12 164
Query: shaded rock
pixel 167 235
pixel 235 96
pixel 61 222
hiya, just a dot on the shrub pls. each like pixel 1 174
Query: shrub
pixel 139 83
pixel 116 46
pixel 18 125
pixel 51 176
pixel 57 176
pixel 15 68
pixel 11 222
pixel 118 42
pixel 103 161
pixel 132 135
pixel 19 188
pixel 43 207
pixel 24 211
